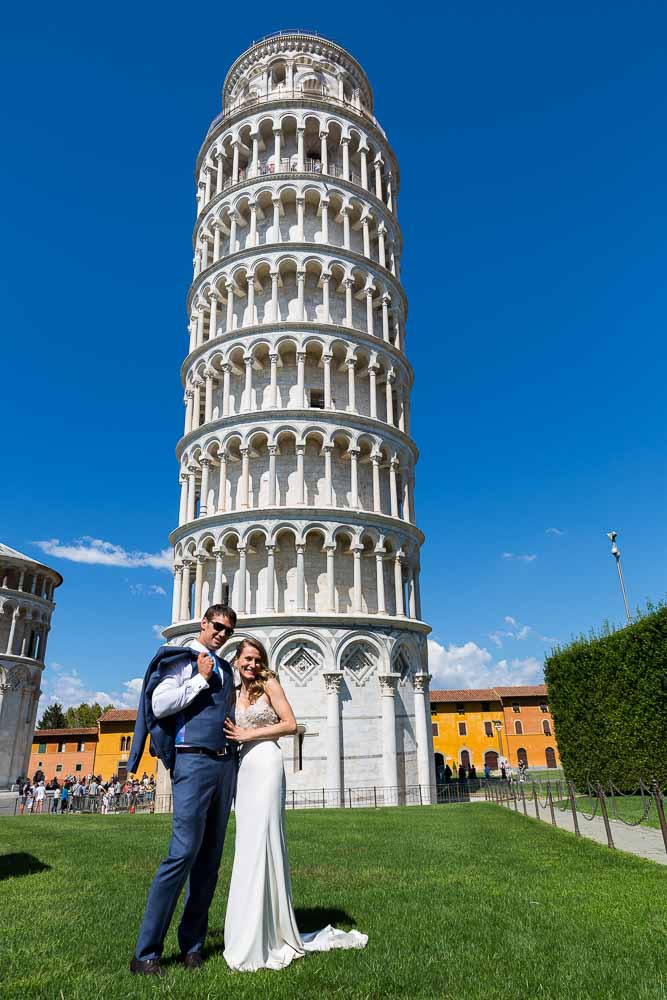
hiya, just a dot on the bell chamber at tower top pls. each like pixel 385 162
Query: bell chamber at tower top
pixel 297 103
pixel 296 62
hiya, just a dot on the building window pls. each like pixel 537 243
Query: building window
pixel 61 747
pixel 550 756
pixel 546 728
pixel 522 756
pixel 124 744
pixel 40 763
pixel 488 729
pixel 460 708
pixel 544 707
pixel 78 767
pixel 434 728
pixel 59 767
pixel 516 707
pixel 80 747
pixel 463 729
pixel 486 706
pixel 518 728
pixel 41 748
pixel 317 399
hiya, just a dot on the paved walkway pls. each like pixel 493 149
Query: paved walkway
pixel 641 840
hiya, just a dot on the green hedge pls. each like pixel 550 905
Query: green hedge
pixel 608 696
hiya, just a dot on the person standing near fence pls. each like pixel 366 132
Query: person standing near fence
pixel 187 695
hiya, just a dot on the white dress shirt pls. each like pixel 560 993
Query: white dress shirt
pixel 181 685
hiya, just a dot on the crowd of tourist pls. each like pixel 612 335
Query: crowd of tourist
pixel 445 774
pixel 78 793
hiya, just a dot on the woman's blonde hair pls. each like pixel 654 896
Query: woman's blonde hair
pixel 258 686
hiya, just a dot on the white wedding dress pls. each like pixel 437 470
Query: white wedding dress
pixel 260 925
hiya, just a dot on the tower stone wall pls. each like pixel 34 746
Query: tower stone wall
pixel 296 463
pixel 26 605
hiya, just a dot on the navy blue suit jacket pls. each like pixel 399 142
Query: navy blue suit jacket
pixel 162 732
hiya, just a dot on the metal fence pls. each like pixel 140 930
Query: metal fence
pixel 643 806
pixel 372 797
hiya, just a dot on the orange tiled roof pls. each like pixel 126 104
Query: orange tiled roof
pixel 87 731
pixel 469 694
pixel 525 691
pixel 120 715
pixel 489 694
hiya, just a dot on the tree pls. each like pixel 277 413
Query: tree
pixel 84 715
pixel 53 717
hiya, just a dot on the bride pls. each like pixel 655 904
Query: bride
pixel 260 925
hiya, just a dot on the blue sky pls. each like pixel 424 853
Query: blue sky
pixel 532 149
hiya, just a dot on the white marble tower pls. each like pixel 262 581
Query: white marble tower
pixel 296 463
pixel 26 605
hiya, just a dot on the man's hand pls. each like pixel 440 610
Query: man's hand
pixel 205 665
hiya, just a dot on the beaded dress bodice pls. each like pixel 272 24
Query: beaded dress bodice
pixel 257 715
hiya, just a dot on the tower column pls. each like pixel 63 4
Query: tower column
pixel 328 483
pixel 332 683
pixel 388 684
pixel 354 491
pixel 423 737
pixel 379 577
pixel 331 577
pixel 356 592
pixel 245 477
pixel 217 585
pixel 300 578
pixel 222 482
pixel 398 584
pixel 205 467
pixel 326 358
pixel 242 579
pixel 269 599
pixel 273 395
pixel 185 591
pixel 199 583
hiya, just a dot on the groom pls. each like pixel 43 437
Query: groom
pixel 187 694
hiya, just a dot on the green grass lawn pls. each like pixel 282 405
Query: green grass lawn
pixel 463 901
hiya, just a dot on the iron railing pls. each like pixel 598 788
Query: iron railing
pixel 643 806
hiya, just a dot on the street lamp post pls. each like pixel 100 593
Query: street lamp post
pixel 612 536
pixel 499 726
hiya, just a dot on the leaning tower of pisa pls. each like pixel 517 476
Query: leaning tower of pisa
pixel 296 462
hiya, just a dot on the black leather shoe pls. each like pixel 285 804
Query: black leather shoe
pixel 151 967
pixel 193 960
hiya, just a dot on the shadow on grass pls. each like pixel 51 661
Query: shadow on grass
pixel 17 865
pixel 312 918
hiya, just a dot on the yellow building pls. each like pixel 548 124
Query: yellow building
pixel 486 725
pixel 113 746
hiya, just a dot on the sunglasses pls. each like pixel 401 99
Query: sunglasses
pixel 220 627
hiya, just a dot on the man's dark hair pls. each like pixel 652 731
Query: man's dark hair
pixel 223 610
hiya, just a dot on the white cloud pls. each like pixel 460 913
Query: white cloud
pixel 527 557
pixel 517 632
pixel 65 684
pixel 473 666
pixel 554 531
pixel 157 631
pixel 96 552
pixel 141 590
